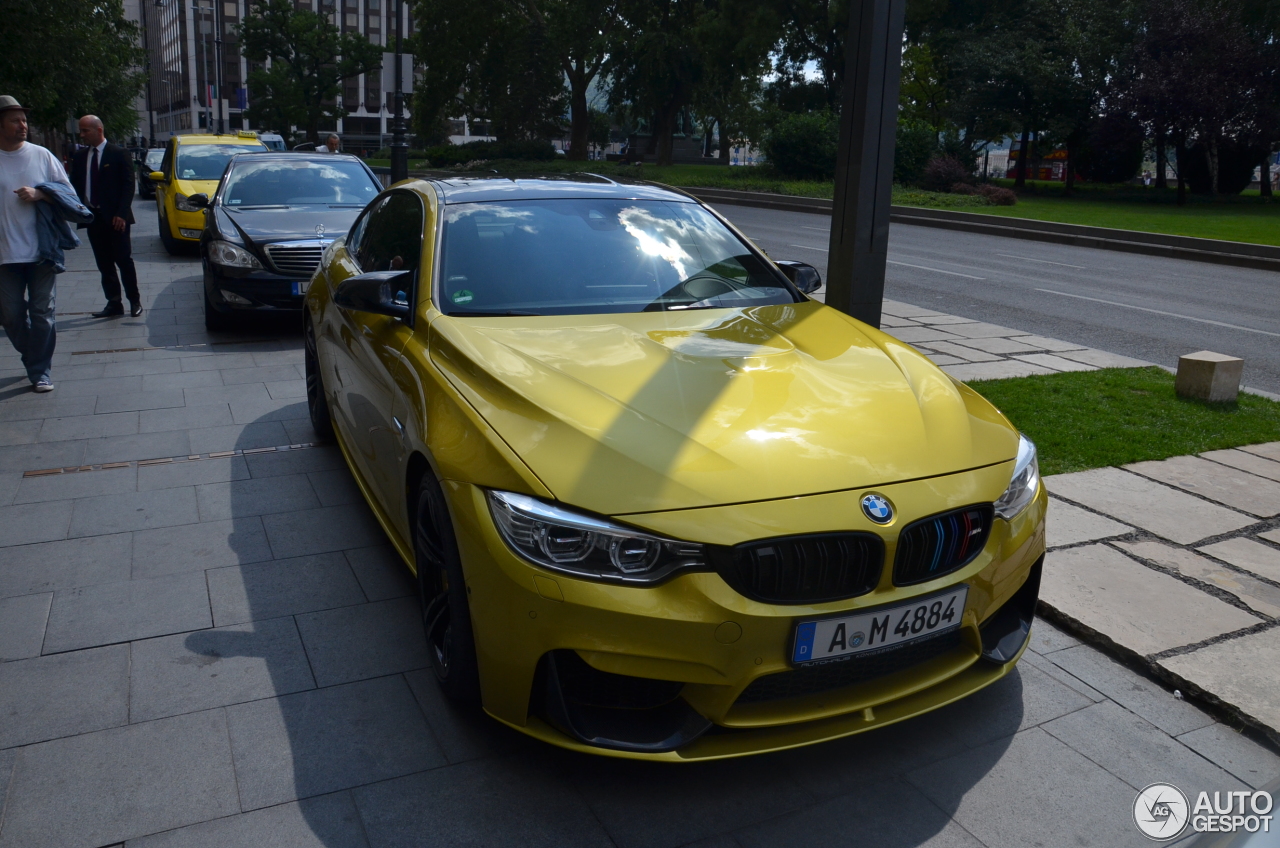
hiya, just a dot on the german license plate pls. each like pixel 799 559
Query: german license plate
pixel 301 288
pixel 832 638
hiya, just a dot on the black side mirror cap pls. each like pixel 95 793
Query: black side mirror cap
pixel 201 200
pixel 803 275
pixel 379 292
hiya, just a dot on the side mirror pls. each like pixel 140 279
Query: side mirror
pixel 379 292
pixel 802 274
pixel 156 176
pixel 200 200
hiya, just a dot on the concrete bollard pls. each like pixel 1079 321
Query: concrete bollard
pixel 1209 376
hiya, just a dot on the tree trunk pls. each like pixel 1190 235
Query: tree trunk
pixel 1070 183
pixel 1211 156
pixel 1264 176
pixel 1181 154
pixel 579 117
pixel 723 151
pixel 667 132
pixel 1020 178
pixel 1162 181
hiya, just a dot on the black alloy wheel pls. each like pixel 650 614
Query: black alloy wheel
pixel 317 401
pixel 446 614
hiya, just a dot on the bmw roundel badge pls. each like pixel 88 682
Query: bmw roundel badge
pixel 877 508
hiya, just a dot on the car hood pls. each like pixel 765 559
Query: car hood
pixel 656 411
pixel 280 223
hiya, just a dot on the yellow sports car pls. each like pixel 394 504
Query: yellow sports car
pixel 660 503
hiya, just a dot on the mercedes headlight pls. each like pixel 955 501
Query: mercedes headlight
pixel 181 202
pixel 226 254
pixel 1026 480
pixel 586 546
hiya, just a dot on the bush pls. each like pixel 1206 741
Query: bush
pixel 916 144
pixel 803 146
pixel 453 155
pixel 942 173
pixel 998 196
pixel 964 188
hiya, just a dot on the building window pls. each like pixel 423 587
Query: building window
pixel 352 21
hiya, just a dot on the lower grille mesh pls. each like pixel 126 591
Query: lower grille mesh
pixel 859 668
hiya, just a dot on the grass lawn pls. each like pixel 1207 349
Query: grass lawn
pixel 1247 217
pixel 1092 419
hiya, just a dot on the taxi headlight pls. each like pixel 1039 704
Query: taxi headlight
pixel 228 255
pixel 1026 480
pixel 586 546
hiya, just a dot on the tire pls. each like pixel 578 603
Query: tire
pixel 215 321
pixel 317 400
pixel 446 613
pixel 172 247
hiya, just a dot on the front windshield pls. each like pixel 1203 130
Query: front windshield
pixel 207 161
pixel 298 182
pixel 154 158
pixel 563 257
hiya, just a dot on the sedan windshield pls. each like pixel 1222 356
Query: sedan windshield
pixel 207 161
pixel 298 182
pixel 561 257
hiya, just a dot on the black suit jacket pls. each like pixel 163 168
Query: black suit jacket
pixel 116 184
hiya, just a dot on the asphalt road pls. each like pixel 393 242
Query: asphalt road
pixel 1147 307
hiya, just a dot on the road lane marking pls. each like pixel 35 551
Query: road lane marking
pixel 935 270
pixel 1044 261
pixel 819 229
pixel 1162 312
pixel 807 247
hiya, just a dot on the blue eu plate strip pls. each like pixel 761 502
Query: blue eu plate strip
pixel 804 641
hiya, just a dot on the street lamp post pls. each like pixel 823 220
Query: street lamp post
pixel 217 71
pixel 399 145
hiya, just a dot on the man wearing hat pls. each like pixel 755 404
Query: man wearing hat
pixel 26 282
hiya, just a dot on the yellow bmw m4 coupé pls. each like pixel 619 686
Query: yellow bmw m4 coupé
pixel 659 502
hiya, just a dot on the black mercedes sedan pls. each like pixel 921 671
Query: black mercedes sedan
pixel 268 224
pixel 151 160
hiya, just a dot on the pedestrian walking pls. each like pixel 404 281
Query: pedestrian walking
pixel 36 200
pixel 102 174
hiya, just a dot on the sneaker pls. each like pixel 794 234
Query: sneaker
pixel 43 385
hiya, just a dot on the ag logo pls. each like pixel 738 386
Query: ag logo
pixel 1160 811
pixel 877 508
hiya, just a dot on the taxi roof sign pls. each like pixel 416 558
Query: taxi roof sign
pixel 247 134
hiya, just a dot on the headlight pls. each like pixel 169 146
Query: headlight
pixel 1026 479
pixel 586 546
pixel 184 205
pixel 228 255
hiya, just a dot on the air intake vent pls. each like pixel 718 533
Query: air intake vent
pixel 859 668
pixel 940 544
pixel 804 569
pixel 295 260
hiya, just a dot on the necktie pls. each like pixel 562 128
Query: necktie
pixel 93 179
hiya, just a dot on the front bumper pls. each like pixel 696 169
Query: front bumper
pixel 712 642
pixel 260 291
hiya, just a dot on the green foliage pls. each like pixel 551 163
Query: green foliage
pixel 917 143
pixel 452 155
pixel 66 58
pixel 1115 416
pixel 310 58
pixel 1113 150
pixel 804 146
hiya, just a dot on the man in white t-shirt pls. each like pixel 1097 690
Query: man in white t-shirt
pixel 330 145
pixel 26 284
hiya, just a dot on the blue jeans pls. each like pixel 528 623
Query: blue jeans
pixel 26 308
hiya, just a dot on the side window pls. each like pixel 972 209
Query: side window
pixel 392 237
pixel 357 229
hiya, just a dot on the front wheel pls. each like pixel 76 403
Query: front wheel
pixel 446 614
pixel 170 243
pixel 317 401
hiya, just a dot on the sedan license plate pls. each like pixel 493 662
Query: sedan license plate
pixel 832 638
pixel 301 288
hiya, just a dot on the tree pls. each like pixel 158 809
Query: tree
pixel 306 60
pixel 735 39
pixel 814 31
pixel 580 31
pixel 36 40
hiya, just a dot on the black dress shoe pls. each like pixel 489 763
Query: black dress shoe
pixel 135 308
pixel 111 310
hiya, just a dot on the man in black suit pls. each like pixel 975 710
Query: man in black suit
pixel 102 174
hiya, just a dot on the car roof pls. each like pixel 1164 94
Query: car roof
pixel 293 156
pixel 210 138
pixel 474 188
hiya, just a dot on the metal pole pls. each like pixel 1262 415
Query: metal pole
pixel 399 145
pixel 217 71
pixel 859 244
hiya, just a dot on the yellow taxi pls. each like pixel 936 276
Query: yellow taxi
pixel 661 503
pixel 193 164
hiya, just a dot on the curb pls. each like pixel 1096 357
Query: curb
pixel 1239 254
pixel 1153 668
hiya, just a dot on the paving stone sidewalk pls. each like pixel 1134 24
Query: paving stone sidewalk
pixel 223 651
pixel 1176 564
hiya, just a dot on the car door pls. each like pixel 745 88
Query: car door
pixel 391 239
